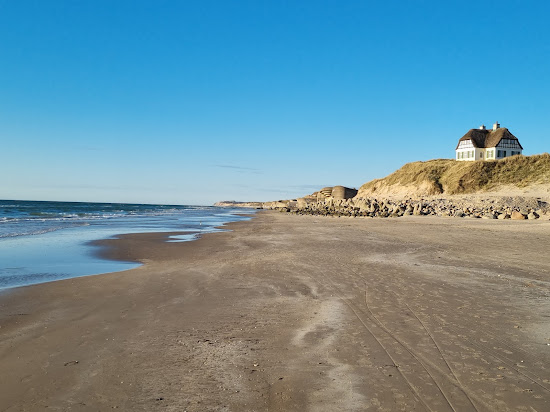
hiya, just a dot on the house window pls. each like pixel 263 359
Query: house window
pixel 481 155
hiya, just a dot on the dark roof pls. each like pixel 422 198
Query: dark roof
pixel 482 138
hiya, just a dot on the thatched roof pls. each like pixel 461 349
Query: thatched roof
pixel 482 138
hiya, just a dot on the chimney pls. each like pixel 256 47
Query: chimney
pixel 482 127
pixel 496 126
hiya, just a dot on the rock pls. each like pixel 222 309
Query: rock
pixel 341 206
pixel 517 215
pixel 396 212
pixel 301 203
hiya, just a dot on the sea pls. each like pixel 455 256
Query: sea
pixel 48 241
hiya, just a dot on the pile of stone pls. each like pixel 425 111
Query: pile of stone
pixel 372 207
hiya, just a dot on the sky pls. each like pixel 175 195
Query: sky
pixel 192 102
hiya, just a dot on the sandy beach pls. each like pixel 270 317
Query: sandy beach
pixel 293 313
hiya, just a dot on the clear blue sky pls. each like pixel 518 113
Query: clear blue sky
pixel 190 102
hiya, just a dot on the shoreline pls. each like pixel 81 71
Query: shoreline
pixel 129 247
pixel 289 313
pixel 110 249
pixel 45 250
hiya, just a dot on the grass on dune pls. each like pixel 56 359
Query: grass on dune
pixel 452 177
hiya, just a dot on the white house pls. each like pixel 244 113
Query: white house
pixel 483 144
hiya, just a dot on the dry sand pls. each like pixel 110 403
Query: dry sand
pixel 294 313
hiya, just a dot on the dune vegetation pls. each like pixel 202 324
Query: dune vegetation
pixel 447 176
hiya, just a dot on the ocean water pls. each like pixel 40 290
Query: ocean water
pixel 47 241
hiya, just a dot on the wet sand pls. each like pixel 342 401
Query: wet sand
pixel 293 313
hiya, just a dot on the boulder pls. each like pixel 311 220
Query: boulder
pixel 517 215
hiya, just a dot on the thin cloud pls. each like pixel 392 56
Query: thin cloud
pixel 240 169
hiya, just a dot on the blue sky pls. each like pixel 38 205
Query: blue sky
pixel 190 102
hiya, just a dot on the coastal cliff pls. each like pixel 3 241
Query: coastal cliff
pixel 517 174
pixel 513 188
pixel 233 203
